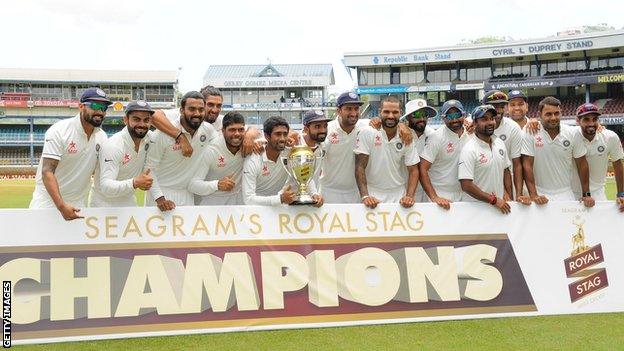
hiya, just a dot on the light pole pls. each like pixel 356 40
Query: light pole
pixel 30 105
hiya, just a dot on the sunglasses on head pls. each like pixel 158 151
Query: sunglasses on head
pixel 497 96
pixel 454 115
pixel 420 114
pixel 97 106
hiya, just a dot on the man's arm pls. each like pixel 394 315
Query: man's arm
pixel 518 179
pixel 583 172
pixel 109 170
pixel 529 178
pixel 507 183
pixel 425 181
pixel 361 161
pixel 48 168
pixel 250 173
pixel 618 169
pixel 162 123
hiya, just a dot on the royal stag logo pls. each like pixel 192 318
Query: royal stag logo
pixel 580 263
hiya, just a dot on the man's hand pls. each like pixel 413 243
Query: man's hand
pixel 252 146
pixel 503 205
pixel 523 199
pixel 588 201
pixel 69 212
pixel 469 125
pixel 143 181
pixel 319 200
pixel 442 202
pixel 620 202
pixel 226 183
pixel 600 128
pixel 533 126
pixel 164 204
pixel 287 196
pixel 506 197
pixel 407 201
pixel 405 134
pixel 540 199
pixel 293 138
pixel 187 149
pixel 370 201
pixel 375 122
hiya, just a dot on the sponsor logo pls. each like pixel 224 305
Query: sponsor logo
pixel 107 160
pixel 333 138
pixel 450 148
pixel 72 148
pixel 501 152
pixel 265 170
pixel 482 158
pixel 221 161
pixel 539 142
pixel 97 147
pixel 377 140
pixel 126 159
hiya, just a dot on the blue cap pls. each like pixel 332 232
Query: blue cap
pixel 449 105
pixel 139 105
pixel 495 97
pixel 480 111
pixel 517 94
pixel 314 116
pixel 95 94
pixel 348 97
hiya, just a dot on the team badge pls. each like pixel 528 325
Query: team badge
pixel 399 146
pixel 202 138
pixel 353 95
pixel 566 143
pixel 126 159
pixel 333 138
pixel 601 148
pixel 141 103
pixel 377 140
pixel 97 147
pixel 501 152
pixel 503 137
pixel 265 170
pixel 100 92
pixel 539 142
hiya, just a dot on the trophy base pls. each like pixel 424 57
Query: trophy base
pixel 303 200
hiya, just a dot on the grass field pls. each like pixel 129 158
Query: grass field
pixel 573 332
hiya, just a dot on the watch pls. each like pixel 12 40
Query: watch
pixel 587 194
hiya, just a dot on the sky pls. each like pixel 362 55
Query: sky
pixel 189 36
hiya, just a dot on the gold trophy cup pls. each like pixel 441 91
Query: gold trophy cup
pixel 301 165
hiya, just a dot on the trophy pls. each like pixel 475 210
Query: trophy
pixel 301 165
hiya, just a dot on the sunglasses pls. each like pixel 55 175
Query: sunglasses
pixel 454 115
pixel 497 96
pixel 420 114
pixel 97 106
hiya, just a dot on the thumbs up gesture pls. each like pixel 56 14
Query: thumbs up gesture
pixel 226 183
pixel 143 181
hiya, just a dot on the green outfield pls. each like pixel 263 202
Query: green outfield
pixel 573 332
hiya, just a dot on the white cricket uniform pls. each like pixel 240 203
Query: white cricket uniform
pixel 66 141
pixel 553 159
pixel 218 162
pixel 119 163
pixel 484 165
pixel 263 180
pixel 605 145
pixel 174 115
pixel 171 171
pixel 386 171
pixel 420 146
pixel 511 135
pixel 338 166
pixel 442 149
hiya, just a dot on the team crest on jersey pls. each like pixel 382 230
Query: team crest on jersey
pixel 503 137
pixel 202 138
pixel 539 142
pixel 97 147
pixel 333 138
pixel 601 148
pixel 399 146
pixel 126 159
pixel 482 158
pixel 501 152
pixel 72 148
pixel 377 140
pixel 450 148
pixel 566 143
pixel 221 161
pixel 265 170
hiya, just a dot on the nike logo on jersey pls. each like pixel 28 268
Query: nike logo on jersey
pixel 107 160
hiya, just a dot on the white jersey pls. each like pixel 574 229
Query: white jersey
pixel 218 162
pixel 171 171
pixel 338 168
pixel 605 145
pixel 263 179
pixel 509 132
pixel 119 163
pixel 174 115
pixel 420 146
pixel 66 141
pixel 442 149
pixel 553 159
pixel 386 172
pixel 484 165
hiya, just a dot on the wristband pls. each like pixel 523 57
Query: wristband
pixel 364 197
pixel 587 194
pixel 492 199
pixel 620 194
pixel 179 135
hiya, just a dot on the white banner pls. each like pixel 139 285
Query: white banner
pixel 136 271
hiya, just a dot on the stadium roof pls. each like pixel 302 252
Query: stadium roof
pixel 539 46
pixel 87 76
pixel 269 75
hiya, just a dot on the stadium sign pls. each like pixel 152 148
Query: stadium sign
pixel 395 89
pixel 269 82
pixel 268 106
pixel 120 273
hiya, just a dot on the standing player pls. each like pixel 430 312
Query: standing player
pixel 483 169
pixel 381 158
pixel 122 160
pixel 172 171
pixel 518 107
pixel 601 146
pixel 417 114
pixel 218 176
pixel 509 133
pixel 69 157
pixel 547 158
pixel 438 161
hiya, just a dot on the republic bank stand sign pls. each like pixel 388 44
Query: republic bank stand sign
pixel 475 52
